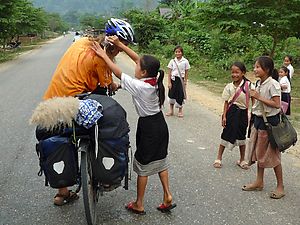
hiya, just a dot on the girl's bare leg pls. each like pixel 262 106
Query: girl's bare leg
pixel 164 178
pixel 242 153
pixel 171 110
pixel 141 187
pixel 279 177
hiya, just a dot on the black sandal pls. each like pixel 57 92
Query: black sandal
pixel 63 199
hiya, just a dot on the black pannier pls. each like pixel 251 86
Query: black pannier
pixel 112 160
pixel 58 161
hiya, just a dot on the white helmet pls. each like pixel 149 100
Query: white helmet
pixel 120 28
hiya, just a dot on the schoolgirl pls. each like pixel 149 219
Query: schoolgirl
pixel 267 101
pixel 152 135
pixel 177 80
pixel 285 87
pixel 235 114
pixel 287 62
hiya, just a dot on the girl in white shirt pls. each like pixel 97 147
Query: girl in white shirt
pixel 288 63
pixel 235 114
pixel 152 135
pixel 177 81
pixel 285 87
pixel 267 99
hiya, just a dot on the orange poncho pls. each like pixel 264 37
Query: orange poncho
pixel 80 70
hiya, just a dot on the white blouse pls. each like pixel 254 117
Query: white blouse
pixel 268 89
pixel 183 65
pixel 144 96
pixel 285 81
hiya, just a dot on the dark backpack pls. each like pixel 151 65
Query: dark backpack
pixel 58 161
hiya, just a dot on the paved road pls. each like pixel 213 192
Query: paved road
pixel 204 195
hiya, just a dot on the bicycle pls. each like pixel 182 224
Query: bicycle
pixel 87 150
pixel 91 187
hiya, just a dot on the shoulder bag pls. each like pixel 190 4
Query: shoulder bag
pixel 281 136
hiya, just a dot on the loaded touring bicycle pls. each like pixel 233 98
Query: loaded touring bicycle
pixel 83 141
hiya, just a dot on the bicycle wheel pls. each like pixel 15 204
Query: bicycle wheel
pixel 89 190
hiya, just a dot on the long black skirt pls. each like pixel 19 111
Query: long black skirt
pixel 152 139
pixel 236 124
pixel 176 92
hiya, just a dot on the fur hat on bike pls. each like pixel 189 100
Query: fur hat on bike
pixel 120 28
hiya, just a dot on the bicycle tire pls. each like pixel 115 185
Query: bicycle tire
pixel 89 190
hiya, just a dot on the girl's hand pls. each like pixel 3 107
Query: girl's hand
pixel 98 50
pixel 114 86
pixel 114 40
pixel 223 121
pixel 169 85
pixel 254 94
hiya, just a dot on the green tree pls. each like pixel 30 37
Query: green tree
pixel 277 20
pixel 55 23
pixel 147 26
pixel 7 10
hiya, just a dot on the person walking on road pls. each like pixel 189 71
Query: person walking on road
pixel 235 114
pixel 267 100
pixel 81 70
pixel 152 135
pixel 177 80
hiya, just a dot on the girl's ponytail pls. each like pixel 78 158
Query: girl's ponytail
pixel 161 88
pixel 275 74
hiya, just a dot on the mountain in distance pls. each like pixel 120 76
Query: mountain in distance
pixel 102 7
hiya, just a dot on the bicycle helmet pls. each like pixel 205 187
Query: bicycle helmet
pixel 120 28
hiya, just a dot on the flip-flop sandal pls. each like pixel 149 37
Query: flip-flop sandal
pixel 276 195
pixel 63 199
pixel 247 187
pixel 217 163
pixel 169 114
pixel 130 208
pixel 243 164
pixel 180 115
pixel 164 209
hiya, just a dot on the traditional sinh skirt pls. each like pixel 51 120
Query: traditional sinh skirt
pixel 152 139
pixel 263 153
pixel 261 150
pixel 234 133
pixel 176 94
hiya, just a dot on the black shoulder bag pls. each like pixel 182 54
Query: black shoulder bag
pixel 281 136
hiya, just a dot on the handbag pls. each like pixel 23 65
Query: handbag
pixel 281 136
pixel 284 106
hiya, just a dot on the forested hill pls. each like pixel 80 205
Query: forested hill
pixel 105 7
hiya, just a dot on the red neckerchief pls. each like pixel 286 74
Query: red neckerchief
pixel 152 81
